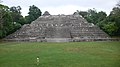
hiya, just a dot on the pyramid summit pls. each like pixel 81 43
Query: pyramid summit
pixel 46 13
pixel 58 28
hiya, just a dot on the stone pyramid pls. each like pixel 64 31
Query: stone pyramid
pixel 58 28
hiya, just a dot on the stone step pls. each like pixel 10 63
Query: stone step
pixel 58 39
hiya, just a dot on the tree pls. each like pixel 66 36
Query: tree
pixel 101 16
pixel 92 16
pixel 16 15
pixel 16 9
pixel 118 4
pixel 10 19
pixel 115 17
pixel 111 24
pixel 6 25
pixel 34 13
pixel 110 28
pixel 100 19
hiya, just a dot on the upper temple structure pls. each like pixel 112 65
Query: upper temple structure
pixel 58 28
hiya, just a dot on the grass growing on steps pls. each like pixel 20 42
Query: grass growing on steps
pixel 72 54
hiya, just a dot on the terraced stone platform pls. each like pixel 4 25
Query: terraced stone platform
pixel 58 28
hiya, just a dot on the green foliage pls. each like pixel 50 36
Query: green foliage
pixel 6 24
pixel 92 16
pixel 16 9
pixel 110 24
pixel 101 16
pixel 34 13
pixel 115 17
pixel 9 16
pixel 16 15
pixel 16 26
pixel 110 28
pixel 22 21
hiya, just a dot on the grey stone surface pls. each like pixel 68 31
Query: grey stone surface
pixel 46 13
pixel 62 28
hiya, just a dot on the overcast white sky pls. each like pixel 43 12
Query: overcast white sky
pixel 56 7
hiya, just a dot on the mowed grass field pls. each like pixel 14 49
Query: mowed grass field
pixel 72 54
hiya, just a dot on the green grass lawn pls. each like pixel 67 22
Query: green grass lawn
pixel 73 54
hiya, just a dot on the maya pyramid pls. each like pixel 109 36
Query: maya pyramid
pixel 58 28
